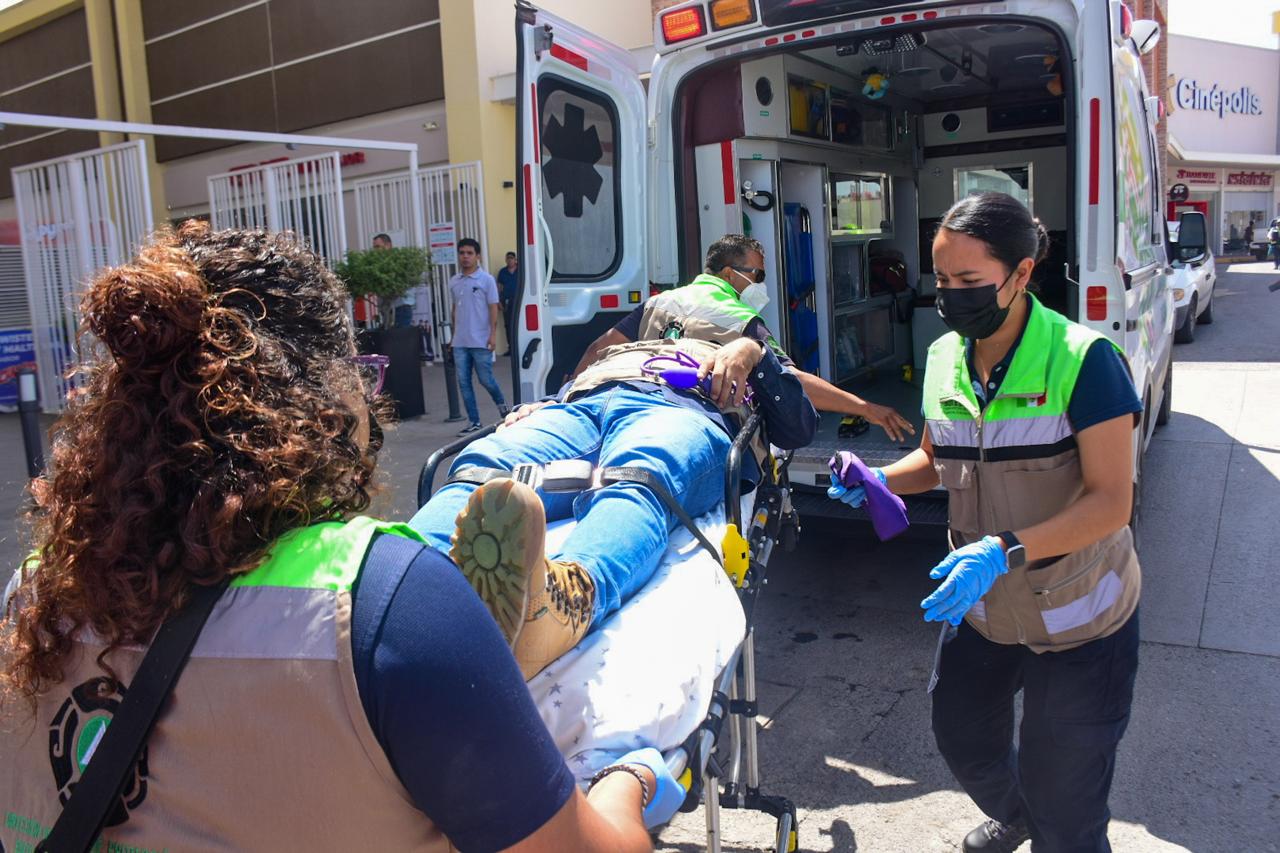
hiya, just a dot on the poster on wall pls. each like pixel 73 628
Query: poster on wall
pixel 17 350
pixel 442 240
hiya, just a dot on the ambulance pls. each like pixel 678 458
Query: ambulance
pixel 837 133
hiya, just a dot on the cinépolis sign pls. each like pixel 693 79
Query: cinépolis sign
pixel 1192 96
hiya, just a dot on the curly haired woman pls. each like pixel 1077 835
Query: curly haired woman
pixel 224 433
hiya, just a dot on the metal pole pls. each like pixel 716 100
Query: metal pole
pixel 29 414
pixel 451 381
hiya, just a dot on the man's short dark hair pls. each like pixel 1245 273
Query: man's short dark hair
pixel 511 254
pixel 469 241
pixel 386 238
pixel 731 250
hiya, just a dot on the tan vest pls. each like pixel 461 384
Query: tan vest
pixel 676 314
pixel 263 745
pixel 1016 464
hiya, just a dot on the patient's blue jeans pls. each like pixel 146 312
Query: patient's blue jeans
pixel 622 529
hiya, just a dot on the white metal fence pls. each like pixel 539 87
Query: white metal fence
pixel 452 197
pixel 303 196
pixel 76 215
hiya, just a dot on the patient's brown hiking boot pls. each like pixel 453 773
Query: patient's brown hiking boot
pixel 543 606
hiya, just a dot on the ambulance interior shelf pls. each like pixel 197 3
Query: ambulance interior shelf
pixel 869 296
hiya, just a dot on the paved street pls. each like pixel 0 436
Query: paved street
pixel 844 655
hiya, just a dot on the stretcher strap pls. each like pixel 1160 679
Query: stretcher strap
pixel 576 475
pixel 653 484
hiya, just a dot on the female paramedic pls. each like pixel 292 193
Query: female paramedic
pixel 1029 425
pixel 349 690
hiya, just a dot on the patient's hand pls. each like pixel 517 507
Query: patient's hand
pixel 521 412
pixel 729 368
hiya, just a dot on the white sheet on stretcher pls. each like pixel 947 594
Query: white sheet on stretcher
pixel 645 677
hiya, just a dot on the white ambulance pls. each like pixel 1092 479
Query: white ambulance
pixel 837 133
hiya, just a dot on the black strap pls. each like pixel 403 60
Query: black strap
pixel 479 476
pixel 653 484
pixel 96 794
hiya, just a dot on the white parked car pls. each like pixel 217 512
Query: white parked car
pixel 1193 278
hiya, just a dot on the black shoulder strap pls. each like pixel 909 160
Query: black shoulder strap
pixel 653 484
pixel 98 791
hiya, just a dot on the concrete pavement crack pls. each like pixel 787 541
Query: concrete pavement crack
pixel 880 718
pixel 1217 533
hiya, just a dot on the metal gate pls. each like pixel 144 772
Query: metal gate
pixel 76 215
pixel 303 196
pixel 452 208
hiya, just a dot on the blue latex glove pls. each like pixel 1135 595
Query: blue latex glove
pixel 969 571
pixel 668 797
pixel 854 497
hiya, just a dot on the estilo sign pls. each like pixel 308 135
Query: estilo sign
pixel 1249 179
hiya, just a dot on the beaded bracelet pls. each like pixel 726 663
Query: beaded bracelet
pixel 625 768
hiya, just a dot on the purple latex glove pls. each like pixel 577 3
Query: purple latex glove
pixel 888 512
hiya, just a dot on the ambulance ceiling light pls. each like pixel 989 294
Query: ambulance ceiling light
pixel 881 45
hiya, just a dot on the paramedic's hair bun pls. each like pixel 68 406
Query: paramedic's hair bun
pixel 1042 240
pixel 147 311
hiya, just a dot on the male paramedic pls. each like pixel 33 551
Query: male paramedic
pixel 735 269
pixel 617 412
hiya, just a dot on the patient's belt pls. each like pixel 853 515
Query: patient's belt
pixel 579 475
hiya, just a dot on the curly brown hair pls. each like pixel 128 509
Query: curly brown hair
pixel 223 413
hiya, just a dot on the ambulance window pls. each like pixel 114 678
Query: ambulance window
pixel 1135 173
pixel 1011 180
pixel 577 131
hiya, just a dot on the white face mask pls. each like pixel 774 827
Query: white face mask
pixel 754 294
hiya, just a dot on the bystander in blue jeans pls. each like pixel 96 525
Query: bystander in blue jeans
pixel 622 528
pixel 482 359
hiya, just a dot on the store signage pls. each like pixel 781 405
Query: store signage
pixel 1179 192
pixel 1249 179
pixel 17 350
pixel 1243 101
pixel 1201 177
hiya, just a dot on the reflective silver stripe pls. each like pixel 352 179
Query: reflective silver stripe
pixel 1025 432
pixel 979 610
pixel 948 433
pixel 1085 609
pixel 271 623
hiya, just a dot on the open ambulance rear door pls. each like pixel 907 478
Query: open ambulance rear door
pixel 580 156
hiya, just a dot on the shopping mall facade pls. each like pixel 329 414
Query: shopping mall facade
pixel 1224 139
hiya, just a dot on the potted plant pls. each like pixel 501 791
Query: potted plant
pixel 389 274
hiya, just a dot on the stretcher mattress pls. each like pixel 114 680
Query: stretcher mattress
pixel 646 676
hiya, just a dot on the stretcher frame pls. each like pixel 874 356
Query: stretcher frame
pixel 719 765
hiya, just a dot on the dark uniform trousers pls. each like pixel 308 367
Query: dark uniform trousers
pixel 1075 710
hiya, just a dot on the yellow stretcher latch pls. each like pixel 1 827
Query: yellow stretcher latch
pixel 737 555
pixel 793 843
pixel 686 779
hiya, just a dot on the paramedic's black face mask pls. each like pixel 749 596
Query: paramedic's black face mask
pixel 973 312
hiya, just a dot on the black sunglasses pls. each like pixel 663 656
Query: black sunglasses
pixel 757 274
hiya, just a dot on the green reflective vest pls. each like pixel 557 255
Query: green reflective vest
pixel 1015 464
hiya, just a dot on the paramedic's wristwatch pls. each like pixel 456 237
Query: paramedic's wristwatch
pixel 1014 551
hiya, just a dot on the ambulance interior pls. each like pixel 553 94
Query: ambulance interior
pixel 843 156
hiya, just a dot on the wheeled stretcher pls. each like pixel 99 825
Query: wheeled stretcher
pixel 675 666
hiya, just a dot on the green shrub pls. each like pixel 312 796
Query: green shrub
pixel 385 273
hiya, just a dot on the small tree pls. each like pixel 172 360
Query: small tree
pixel 385 273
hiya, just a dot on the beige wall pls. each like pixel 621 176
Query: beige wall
pixel 479 45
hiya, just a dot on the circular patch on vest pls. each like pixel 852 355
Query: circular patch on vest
pixel 75 734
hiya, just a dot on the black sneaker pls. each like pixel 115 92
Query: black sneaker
pixel 996 837
pixel 470 428
pixel 503 411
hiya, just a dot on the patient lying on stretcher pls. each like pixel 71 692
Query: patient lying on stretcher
pixel 618 413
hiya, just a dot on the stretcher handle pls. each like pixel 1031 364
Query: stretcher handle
pixel 733 468
pixel 428 473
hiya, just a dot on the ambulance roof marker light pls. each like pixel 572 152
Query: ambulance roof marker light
pixel 683 24
pixel 731 13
